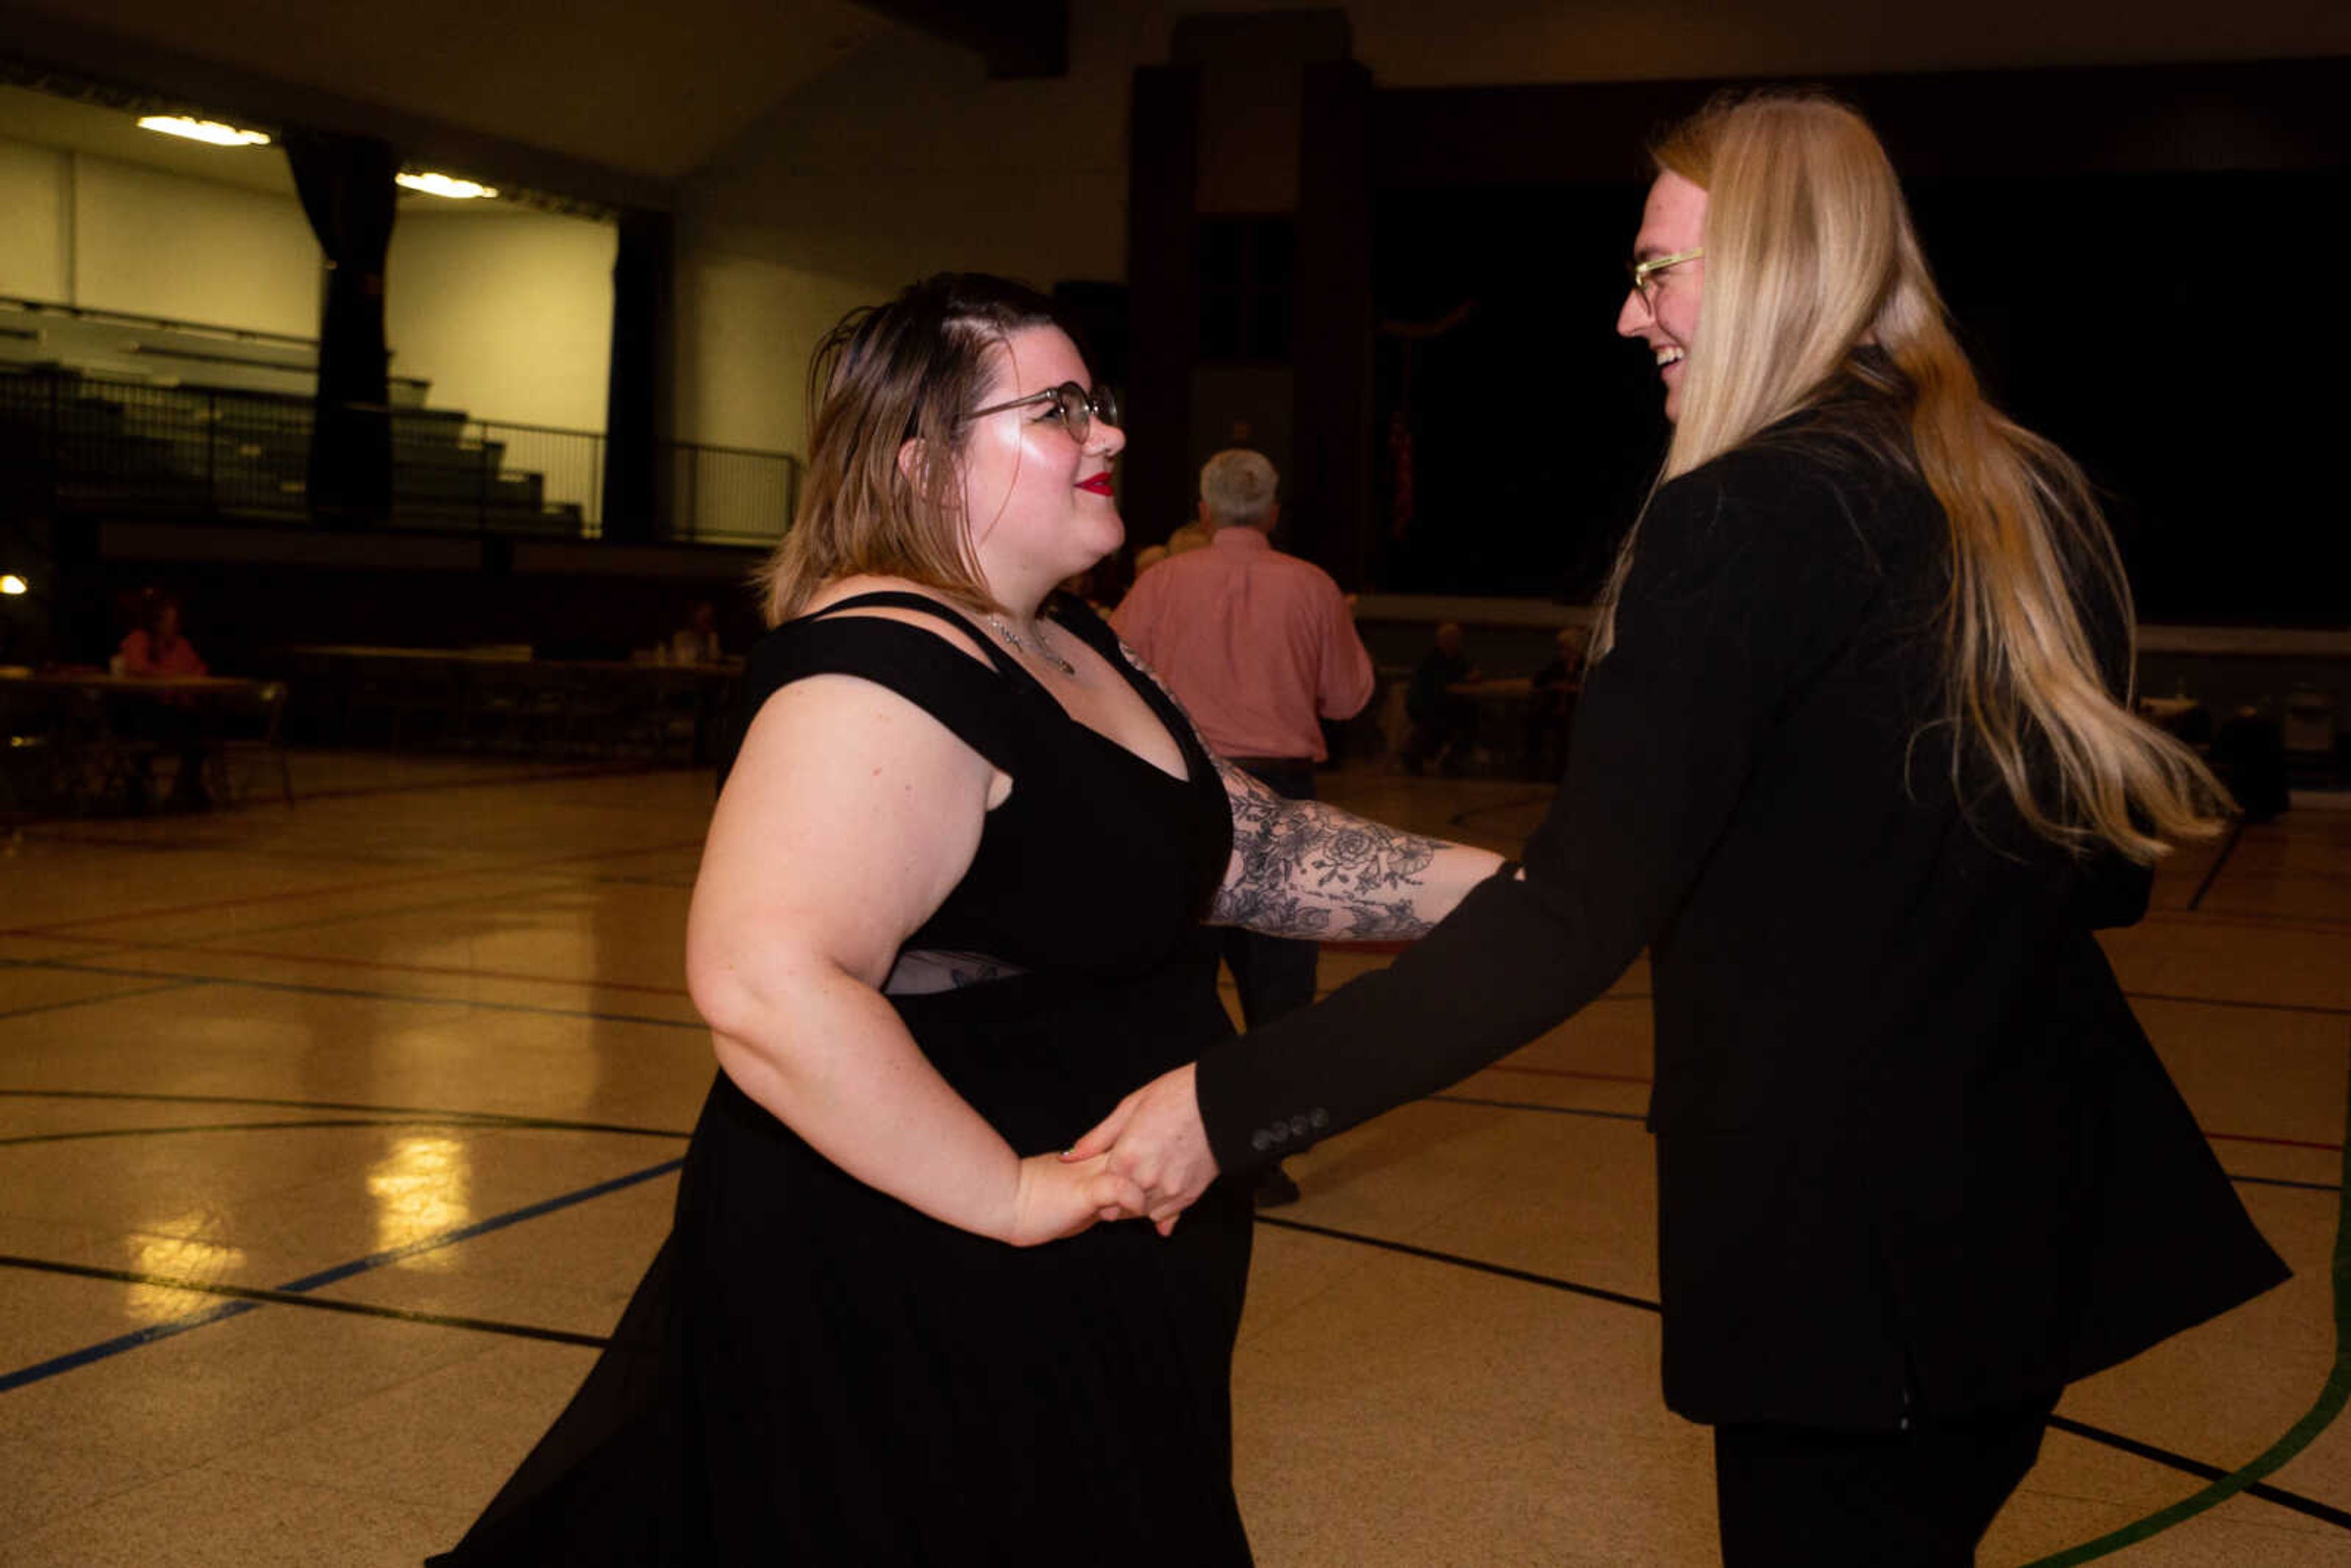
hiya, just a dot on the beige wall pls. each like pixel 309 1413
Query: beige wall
pixel 905 160
pixel 507 313
pixel 34 252
pixel 162 244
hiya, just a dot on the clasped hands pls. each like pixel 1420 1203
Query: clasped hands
pixel 1148 1159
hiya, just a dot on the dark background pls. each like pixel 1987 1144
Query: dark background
pixel 2168 330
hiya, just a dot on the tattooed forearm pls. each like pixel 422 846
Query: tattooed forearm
pixel 1303 869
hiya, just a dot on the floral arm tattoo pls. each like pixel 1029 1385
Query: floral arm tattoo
pixel 1304 869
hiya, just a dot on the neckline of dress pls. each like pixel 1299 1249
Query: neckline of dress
pixel 1026 679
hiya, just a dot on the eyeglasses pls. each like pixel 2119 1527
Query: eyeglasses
pixel 1072 406
pixel 1645 273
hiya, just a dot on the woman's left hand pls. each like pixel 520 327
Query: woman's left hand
pixel 1057 1197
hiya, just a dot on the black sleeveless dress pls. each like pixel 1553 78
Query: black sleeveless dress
pixel 814 1373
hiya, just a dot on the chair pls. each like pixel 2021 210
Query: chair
pixel 250 736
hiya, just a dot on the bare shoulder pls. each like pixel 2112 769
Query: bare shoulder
pixel 845 723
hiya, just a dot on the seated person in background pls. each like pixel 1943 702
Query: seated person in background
pixel 1550 712
pixel 696 642
pixel 155 649
pixel 1444 721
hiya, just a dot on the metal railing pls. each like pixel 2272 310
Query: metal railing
pixel 730 494
pixel 73 443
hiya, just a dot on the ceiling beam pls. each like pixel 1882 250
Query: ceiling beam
pixel 1016 38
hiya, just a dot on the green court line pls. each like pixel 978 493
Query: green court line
pixel 2329 1404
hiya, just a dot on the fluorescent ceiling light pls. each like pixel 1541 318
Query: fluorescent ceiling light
pixel 211 130
pixel 442 185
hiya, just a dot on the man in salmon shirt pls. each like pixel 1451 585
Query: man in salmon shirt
pixel 1260 647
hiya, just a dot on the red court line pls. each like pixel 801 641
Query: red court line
pixel 198 950
pixel 330 892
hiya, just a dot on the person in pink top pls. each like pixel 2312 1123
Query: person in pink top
pixel 155 647
pixel 1260 647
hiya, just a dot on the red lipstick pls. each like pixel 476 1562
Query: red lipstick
pixel 1098 483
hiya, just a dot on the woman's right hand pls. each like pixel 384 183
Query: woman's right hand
pixel 1056 1197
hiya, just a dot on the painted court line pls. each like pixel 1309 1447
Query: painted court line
pixel 2251 1485
pixel 467 971
pixel 2228 848
pixel 332 890
pixel 488 1119
pixel 175 985
pixel 423 998
pixel 260 1297
pixel 2247 1478
pixel 1529 1106
pixel 102 1350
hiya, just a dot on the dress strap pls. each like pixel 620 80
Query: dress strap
pixel 971 699
pixel 898 599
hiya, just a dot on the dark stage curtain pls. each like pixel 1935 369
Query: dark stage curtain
pixel 345 183
pixel 636 505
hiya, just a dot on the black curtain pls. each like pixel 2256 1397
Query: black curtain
pixel 635 504
pixel 345 183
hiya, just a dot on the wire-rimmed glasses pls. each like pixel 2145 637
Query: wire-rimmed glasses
pixel 1073 405
pixel 1645 274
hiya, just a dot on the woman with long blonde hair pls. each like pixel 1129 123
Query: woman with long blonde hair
pixel 1855 762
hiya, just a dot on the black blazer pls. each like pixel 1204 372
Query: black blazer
pixel 1913 1149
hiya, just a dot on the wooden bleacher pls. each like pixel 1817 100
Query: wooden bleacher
pixel 156 414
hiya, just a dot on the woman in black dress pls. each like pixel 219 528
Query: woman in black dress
pixel 949 908
pixel 1855 762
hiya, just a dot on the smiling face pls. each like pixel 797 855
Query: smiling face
pixel 1037 500
pixel 1672 220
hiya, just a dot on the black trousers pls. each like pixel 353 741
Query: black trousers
pixel 1915 1498
pixel 1274 974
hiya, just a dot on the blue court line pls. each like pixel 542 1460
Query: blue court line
pixel 488 1119
pixel 177 985
pixel 309 1303
pixel 299 989
pixel 116 1346
pixel 2236 836
pixel 2279 1496
pixel 2280 1181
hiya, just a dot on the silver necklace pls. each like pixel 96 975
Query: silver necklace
pixel 1042 650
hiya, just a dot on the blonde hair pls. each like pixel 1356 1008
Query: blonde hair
pixel 885 375
pixel 1811 260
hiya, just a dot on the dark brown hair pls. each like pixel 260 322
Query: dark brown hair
pixel 887 374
